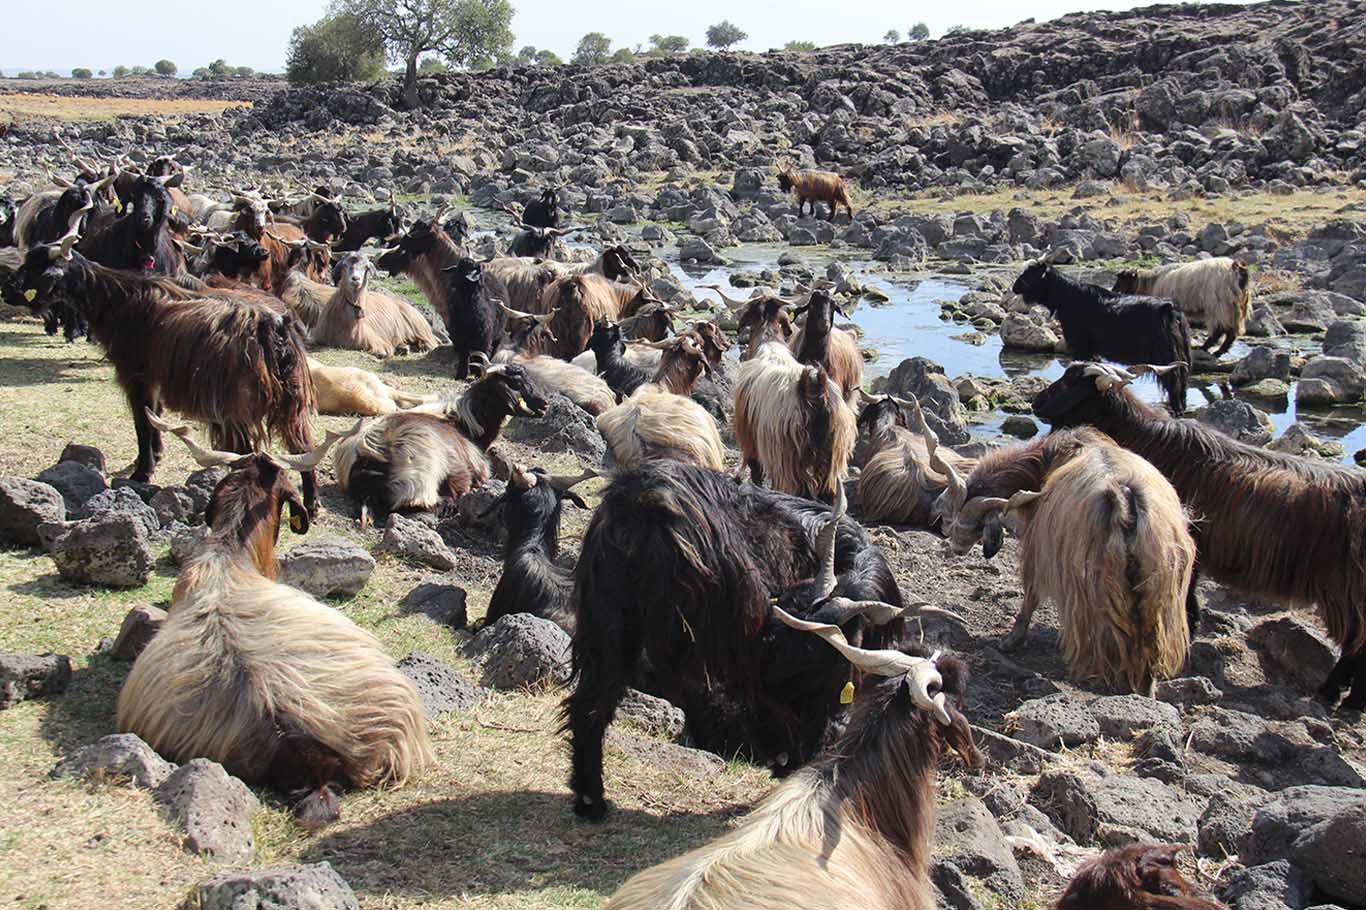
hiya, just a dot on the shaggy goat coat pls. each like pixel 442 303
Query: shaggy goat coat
pixel 1217 292
pixel 429 458
pixel 350 390
pixel 575 383
pixel 656 423
pixel 897 484
pixel 373 322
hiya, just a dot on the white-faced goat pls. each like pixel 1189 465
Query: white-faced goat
pixel 413 459
pixel 1216 292
pixel 359 319
pixel 852 831
pixel 258 676
pixel 1276 526
pixel 705 558
pixel 1104 536
pixel 897 483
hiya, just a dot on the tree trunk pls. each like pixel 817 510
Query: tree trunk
pixel 410 84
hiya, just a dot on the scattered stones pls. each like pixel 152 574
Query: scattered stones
pixel 117 756
pixel 654 715
pixel 24 505
pixel 1274 886
pixel 139 627
pixel 521 650
pixel 1112 810
pixel 1237 419
pixel 967 836
pixel 213 807
pixel 1055 722
pixel 440 686
pixel 438 600
pixel 670 756
pixel 1122 716
pixel 327 567
pixel 25 676
pixel 1322 830
pixel 75 481
pixel 110 549
pixel 415 541
pixel 310 887
pixel 1299 649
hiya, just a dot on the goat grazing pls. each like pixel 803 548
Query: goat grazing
pixel 1104 536
pixel 359 319
pixel 1137 877
pixel 413 459
pixel 897 483
pixel 161 339
pixel 533 580
pixel 1097 322
pixel 816 186
pixel 678 567
pixel 258 676
pixel 1275 526
pixel 853 830
pixel 350 390
pixel 1217 292
pixel 791 422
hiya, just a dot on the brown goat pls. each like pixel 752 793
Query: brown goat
pixel 818 341
pixel 816 186
pixel 578 302
pixel 897 483
pixel 1138 877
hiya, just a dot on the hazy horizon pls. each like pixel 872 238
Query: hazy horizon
pixel 241 36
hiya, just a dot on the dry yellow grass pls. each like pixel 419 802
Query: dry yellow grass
pixel 25 106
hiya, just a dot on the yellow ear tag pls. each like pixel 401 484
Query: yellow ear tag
pixel 521 402
pixel 847 694
pixel 175 210
pixel 773 601
pixel 30 295
pixel 118 204
pixel 296 524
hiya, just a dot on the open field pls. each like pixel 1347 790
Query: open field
pixel 17 107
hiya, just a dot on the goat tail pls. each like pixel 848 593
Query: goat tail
pixel 285 357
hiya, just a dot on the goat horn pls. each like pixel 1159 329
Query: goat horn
pixel 206 458
pixel 839 610
pixel 520 477
pixel 1140 368
pixel 515 314
pixel 978 506
pixel 307 461
pixel 187 245
pixel 1107 377
pixel 564 482
pixel 956 492
pixel 1022 498
pixel 825 547
pixel 731 302
pixel 59 181
pixel 921 674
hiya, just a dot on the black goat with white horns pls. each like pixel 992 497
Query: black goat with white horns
pixel 680 566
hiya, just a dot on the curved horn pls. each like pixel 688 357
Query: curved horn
pixel 839 610
pixel 206 458
pixel 59 181
pixel 1108 377
pixel 514 314
pixel 921 674
pixel 1140 368
pixel 520 477
pixel 825 547
pixel 956 492
pixel 731 302
pixel 307 461
pixel 1021 499
pixel 978 506
pixel 564 482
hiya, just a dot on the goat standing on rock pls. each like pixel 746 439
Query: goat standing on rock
pixel 816 186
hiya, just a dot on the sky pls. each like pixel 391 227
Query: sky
pixel 101 35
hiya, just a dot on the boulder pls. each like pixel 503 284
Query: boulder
pixel 1115 810
pixel 89 456
pixel 565 427
pixel 1226 823
pixel 122 501
pixel 185 540
pixel 521 650
pixel 111 549
pixel 1055 722
pixel 654 715
pixel 1298 648
pixel 25 676
pixel 1322 830
pixel 1261 363
pixel 310 887
pixel 1273 886
pixel 75 481
pixel 439 685
pixel 1123 716
pixel 417 542
pixel 24 505
pixel 327 566
pixel 1237 419
pixel 1345 377
pixel 924 380
pixel 672 757
pixel 213 807
pixel 139 627
pixel 1021 332
pixel 966 835
pixel 121 756
pixel 438 600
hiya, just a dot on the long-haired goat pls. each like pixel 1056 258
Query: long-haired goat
pixel 280 689
pixel 377 224
pixel 1217 292
pixel 8 211
pixel 543 211
pixel 424 254
pixel 608 348
pixel 474 312
pixel 1137 877
pixel 816 186
pixel 818 341
pixel 852 831
pixel 534 580
pixel 552 374
pixel 414 459
pixel 359 319
pixel 139 240
pixel 161 340
pixel 578 302
pixel 1100 323
pixel 351 390
pixel 1104 536
pixel 46 217
pixel 677 568
pixel 792 424
pixel 897 483
pixel 1275 526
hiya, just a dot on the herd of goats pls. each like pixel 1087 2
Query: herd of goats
pixel 760 608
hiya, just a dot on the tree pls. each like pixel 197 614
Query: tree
pixel 143 71
pixel 219 67
pixel 103 73
pixel 918 32
pixel 956 30
pixel 548 58
pixel 594 49
pixel 527 54
pixel 432 65
pixel 164 68
pixel 669 44
pixel 892 37
pixel 799 46
pixel 243 72
pixel 724 34
pixel 334 49
pixel 120 71
pixel 623 55
pixel 462 32
pixel 81 72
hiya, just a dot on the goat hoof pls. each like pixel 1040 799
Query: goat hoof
pixel 1011 642
pixel 586 807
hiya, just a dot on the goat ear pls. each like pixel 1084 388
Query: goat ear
pixel 993 535
pixel 298 515
pixel 576 499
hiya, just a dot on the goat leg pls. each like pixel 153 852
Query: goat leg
pixel 1017 633
pixel 1193 605
pixel 146 464
pixel 1356 699
pixel 1229 338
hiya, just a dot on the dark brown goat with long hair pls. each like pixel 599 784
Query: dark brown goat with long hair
pixel 1275 526
pixel 1138 877
pixel 816 186
pixel 237 366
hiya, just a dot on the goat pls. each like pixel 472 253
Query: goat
pixel 235 256
pixel 622 375
pixel 526 280
pixel 654 321
pixel 791 422
pixel 1096 322
pixel 578 302
pixel 1137 877
pixel 1217 292
pixel 817 341
pixel 1275 526
pixel 543 212
pixel 161 338
pixel 474 317
pixel 377 224
pixel 350 390
pixel 1104 536
pixel 615 263
pixel 424 254
pixel 411 460
pixel 140 239
pixel 534 580
pixel 816 186
pixel 750 314
pixel 45 217
pixel 529 334
pixel 306 299
pixel 554 375
pixel 8 211
pixel 536 242
pixel 897 483
pixel 359 319
pixel 677 569
pixel 852 830
pixel 280 689
pixel 658 420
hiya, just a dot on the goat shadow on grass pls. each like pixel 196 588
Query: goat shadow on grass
pixel 507 842
pixel 87 709
pixel 39 371
pixel 438 364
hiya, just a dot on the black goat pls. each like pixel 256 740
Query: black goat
pixel 621 375
pixel 536 242
pixel 8 211
pixel 679 567
pixel 534 580
pixel 1097 322
pixel 378 224
pixel 543 212
pixel 474 319
pixel 139 240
